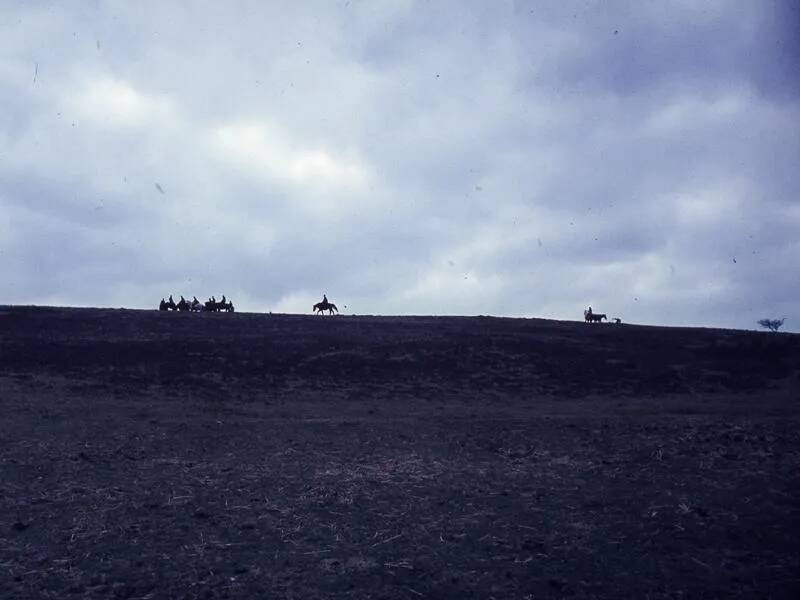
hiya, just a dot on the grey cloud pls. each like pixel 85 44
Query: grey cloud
pixel 313 148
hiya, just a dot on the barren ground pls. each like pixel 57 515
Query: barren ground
pixel 154 455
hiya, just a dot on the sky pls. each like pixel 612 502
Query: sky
pixel 523 159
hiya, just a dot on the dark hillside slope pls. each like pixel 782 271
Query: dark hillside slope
pixel 422 356
pixel 150 455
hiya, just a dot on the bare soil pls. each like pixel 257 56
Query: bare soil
pixel 155 455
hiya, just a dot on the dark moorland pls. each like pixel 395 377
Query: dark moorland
pixel 176 455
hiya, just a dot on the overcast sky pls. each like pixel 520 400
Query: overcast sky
pixel 503 158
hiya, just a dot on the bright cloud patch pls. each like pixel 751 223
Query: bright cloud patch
pixel 687 112
pixel 710 205
pixel 117 102
pixel 264 149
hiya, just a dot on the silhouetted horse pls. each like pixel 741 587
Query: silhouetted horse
pixel 321 307
pixel 183 304
pixel 595 317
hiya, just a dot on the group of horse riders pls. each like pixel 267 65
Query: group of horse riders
pixel 226 305
pixel 320 307
pixel 211 305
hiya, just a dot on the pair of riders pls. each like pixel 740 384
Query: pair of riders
pixel 213 300
pixel 167 305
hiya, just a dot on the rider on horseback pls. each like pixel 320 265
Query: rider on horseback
pixel 325 305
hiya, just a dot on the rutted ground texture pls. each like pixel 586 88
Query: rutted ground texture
pixel 153 455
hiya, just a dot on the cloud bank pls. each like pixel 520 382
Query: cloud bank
pixel 520 159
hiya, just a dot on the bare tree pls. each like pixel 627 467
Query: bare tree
pixel 772 324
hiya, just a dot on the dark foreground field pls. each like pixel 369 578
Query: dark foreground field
pixel 153 455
